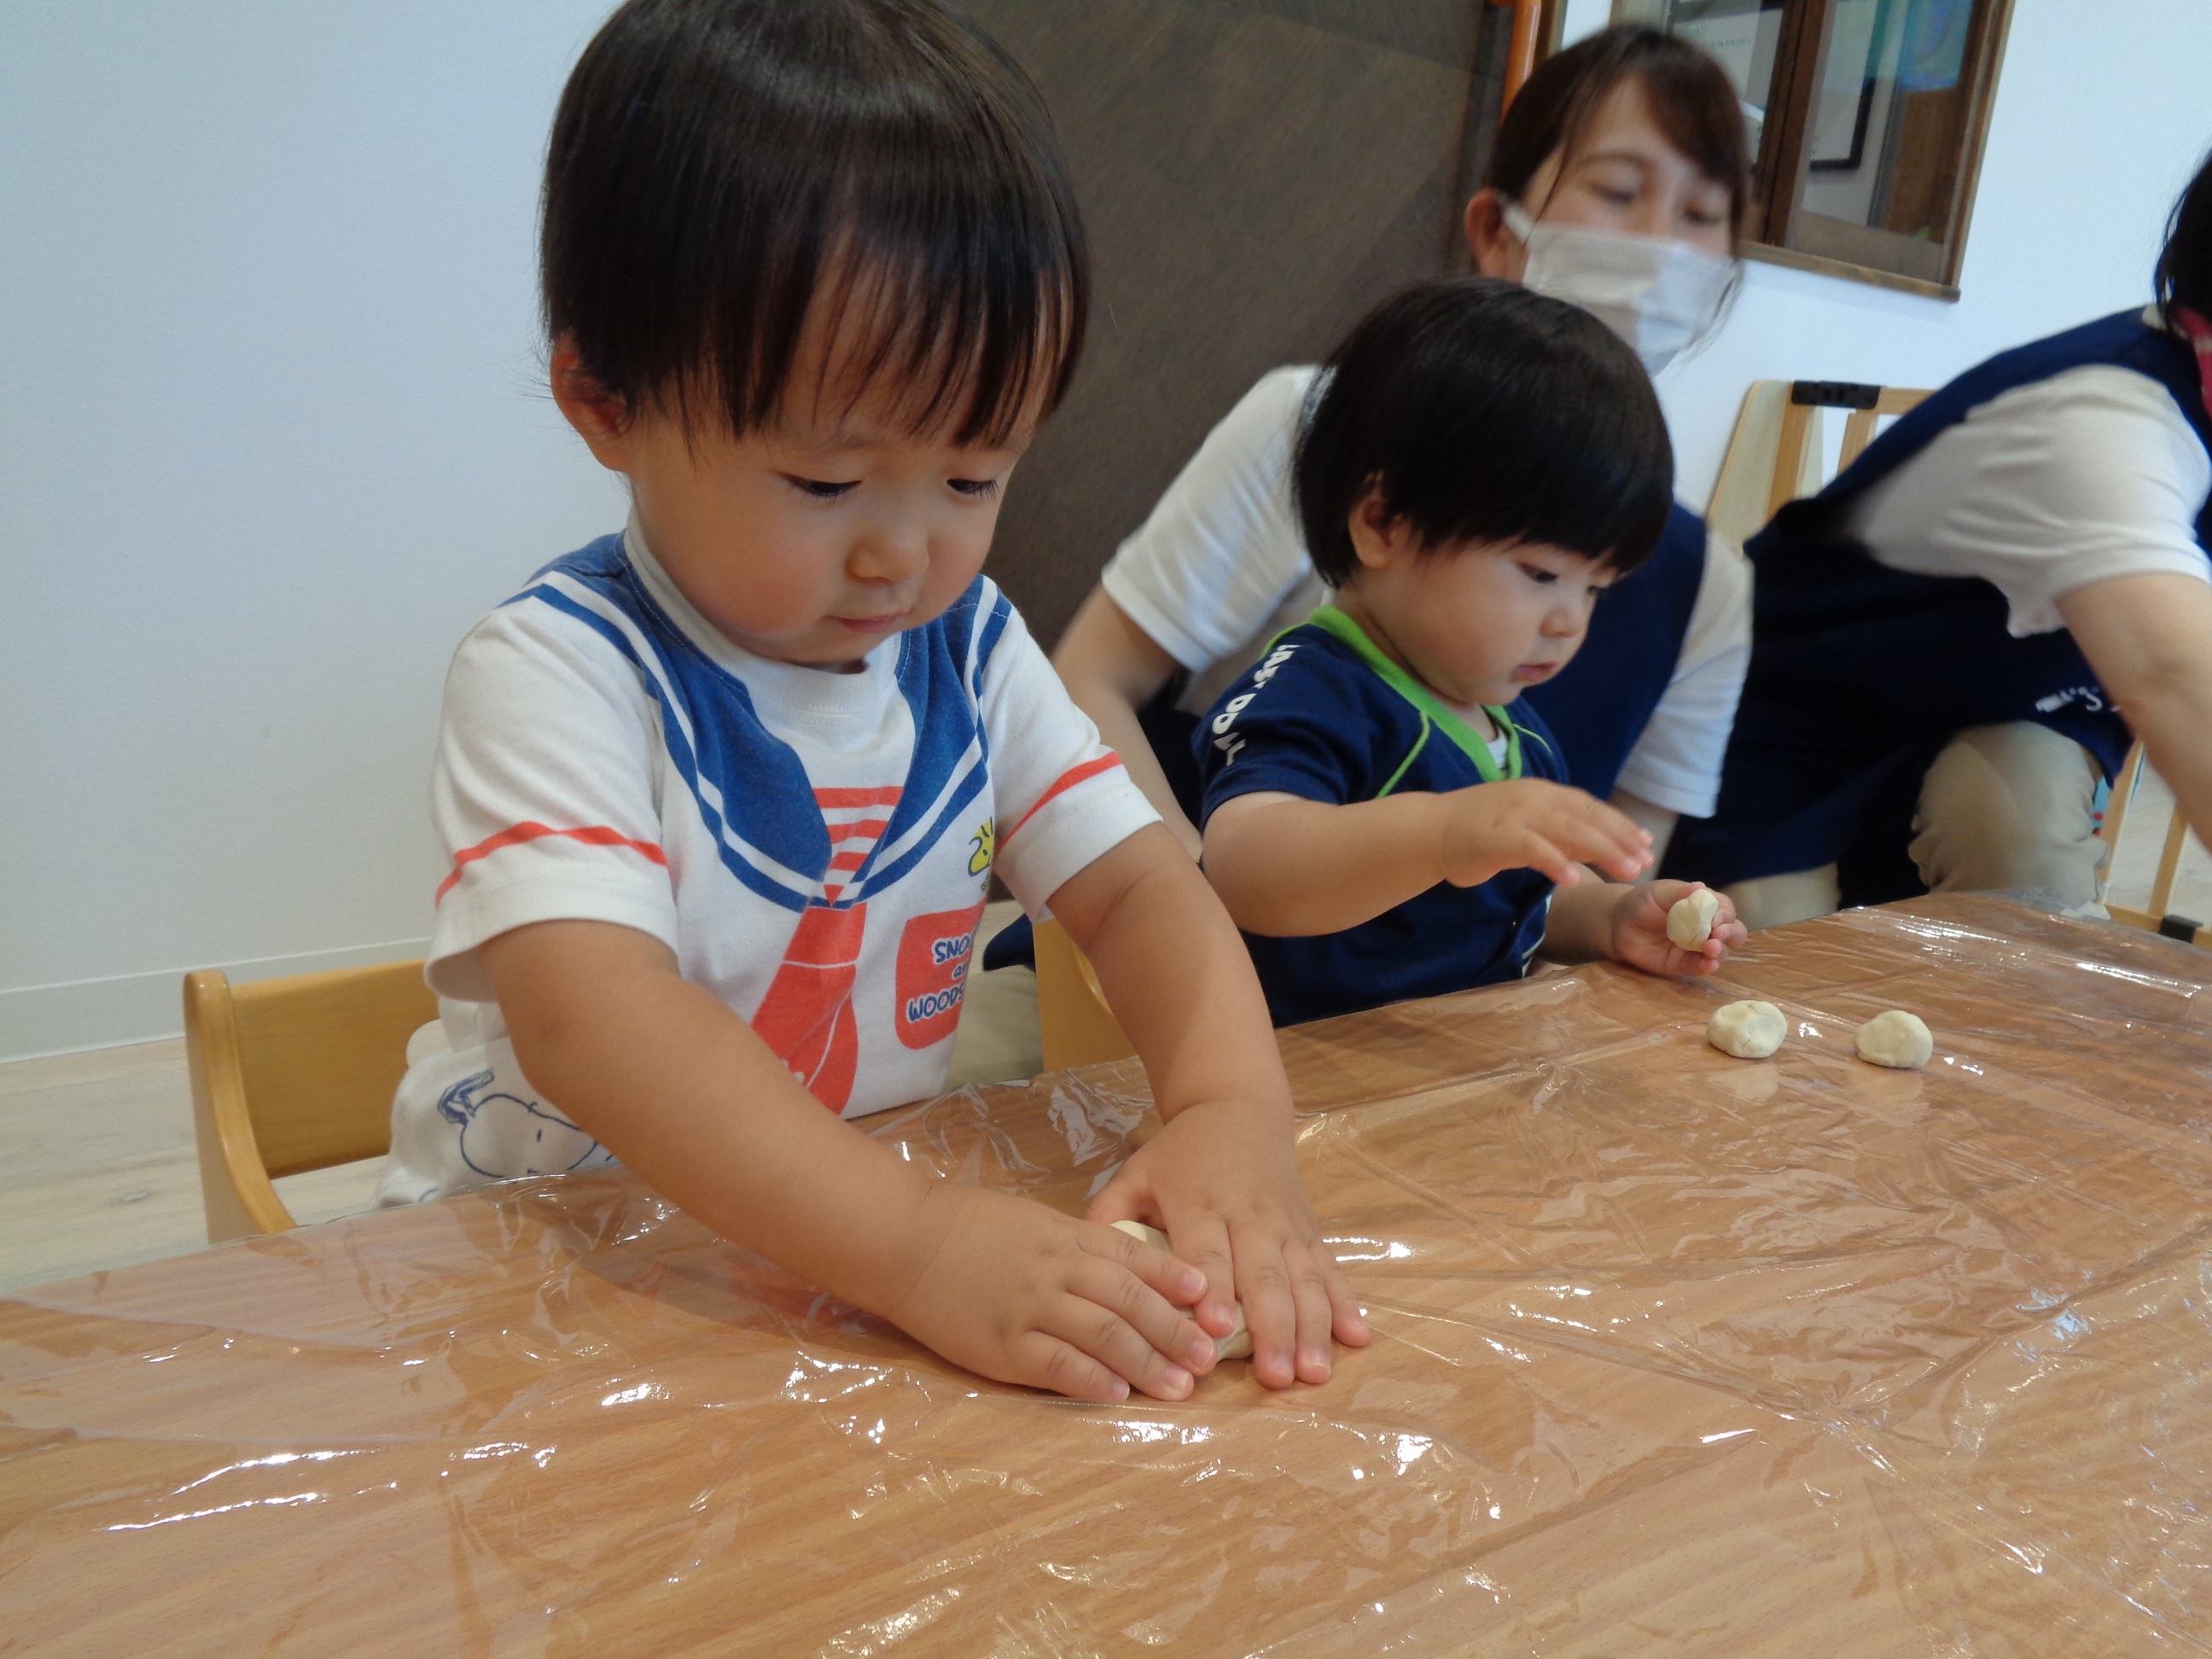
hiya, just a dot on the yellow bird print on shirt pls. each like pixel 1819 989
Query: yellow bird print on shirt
pixel 985 842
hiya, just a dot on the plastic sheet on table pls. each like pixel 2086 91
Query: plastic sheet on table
pixel 1675 1354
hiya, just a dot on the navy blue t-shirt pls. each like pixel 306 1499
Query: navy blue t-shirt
pixel 1312 719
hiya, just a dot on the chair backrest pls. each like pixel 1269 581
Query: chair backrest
pixel 294 1075
pixel 2157 875
pixel 1775 454
pixel 1076 1026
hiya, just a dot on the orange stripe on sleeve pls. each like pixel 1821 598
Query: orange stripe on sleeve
pixel 597 834
pixel 1067 779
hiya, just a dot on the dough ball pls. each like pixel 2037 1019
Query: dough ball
pixel 1238 1345
pixel 1749 1030
pixel 1898 1039
pixel 1690 923
pixel 1144 1235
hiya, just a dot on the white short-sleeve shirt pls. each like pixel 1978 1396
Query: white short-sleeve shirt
pixel 1220 568
pixel 813 847
pixel 2089 476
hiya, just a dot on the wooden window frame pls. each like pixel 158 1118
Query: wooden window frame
pixel 1779 229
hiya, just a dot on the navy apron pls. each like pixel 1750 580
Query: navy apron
pixel 1860 675
pixel 1598 705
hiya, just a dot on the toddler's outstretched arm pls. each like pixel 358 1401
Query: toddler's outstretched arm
pixel 684 1092
pixel 1291 867
pixel 1221 1177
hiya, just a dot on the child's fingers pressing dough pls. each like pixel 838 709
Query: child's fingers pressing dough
pixel 1238 1345
pixel 1248 1225
pixel 1022 1293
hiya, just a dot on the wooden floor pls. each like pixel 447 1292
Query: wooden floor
pixel 102 1172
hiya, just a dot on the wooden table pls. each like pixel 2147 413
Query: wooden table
pixel 1676 1354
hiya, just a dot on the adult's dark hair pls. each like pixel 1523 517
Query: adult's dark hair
pixel 1485 412
pixel 719 169
pixel 2185 264
pixel 1692 100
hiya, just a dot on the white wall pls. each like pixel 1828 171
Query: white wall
pixel 1583 17
pixel 271 431
pixel 271 434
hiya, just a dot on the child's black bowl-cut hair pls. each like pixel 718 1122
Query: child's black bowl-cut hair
pixel 1485 413
pixel 719 168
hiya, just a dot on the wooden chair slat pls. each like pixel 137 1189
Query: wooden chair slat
pixel 1077 1027
pixel 293 1074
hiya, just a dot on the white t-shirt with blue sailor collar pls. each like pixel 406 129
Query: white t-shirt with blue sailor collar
pixel 814 846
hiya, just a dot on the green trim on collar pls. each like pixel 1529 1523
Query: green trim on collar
pixel 1330 620
pixel 1412 754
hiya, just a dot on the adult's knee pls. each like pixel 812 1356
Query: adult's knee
pixel 2007 808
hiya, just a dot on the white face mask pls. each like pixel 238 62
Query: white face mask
pixel 1659 295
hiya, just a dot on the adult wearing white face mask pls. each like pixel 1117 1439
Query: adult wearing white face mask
pixel 1617 183
pixel 1658 293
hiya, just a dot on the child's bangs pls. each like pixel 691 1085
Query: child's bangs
pixel 967 349
pixel 1598 486
pixel 1485 412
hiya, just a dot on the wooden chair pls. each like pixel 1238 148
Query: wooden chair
pixel 2156 914
pixel 1775 454
pixel 290 1075
pixel 1077 1027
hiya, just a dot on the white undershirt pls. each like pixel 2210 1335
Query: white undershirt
pixel 1220 568
pixel 2087 477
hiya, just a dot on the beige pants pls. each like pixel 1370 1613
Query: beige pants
pixel 2004 808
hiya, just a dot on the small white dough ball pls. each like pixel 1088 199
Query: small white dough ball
pixel 1749 1030
pixel 1690 923
pixel 1898 1039
pixel 1144 1235
pixel 1238 1345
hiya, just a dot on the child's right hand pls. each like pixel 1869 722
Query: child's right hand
pixel 1532 824
pixel 1025 1294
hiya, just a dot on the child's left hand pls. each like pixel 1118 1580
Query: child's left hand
pixel 1221 1179
pixel 1640 931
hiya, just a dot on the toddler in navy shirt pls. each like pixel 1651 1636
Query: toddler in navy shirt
pixel 1479 464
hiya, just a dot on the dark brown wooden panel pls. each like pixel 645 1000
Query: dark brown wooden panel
pixel 1254 177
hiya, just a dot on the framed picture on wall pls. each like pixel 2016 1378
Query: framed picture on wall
pixel 1855 56
pixel 1743 35
pixel 1867 118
